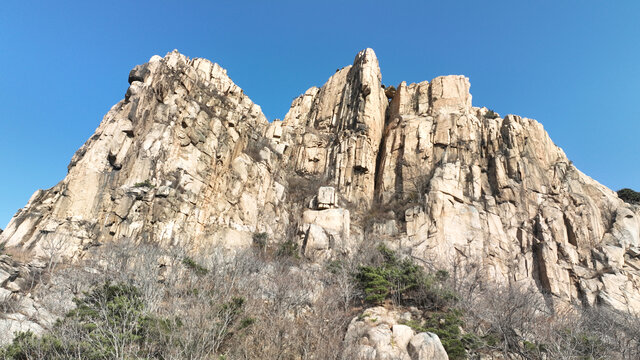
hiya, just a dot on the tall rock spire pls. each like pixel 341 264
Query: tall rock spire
pixel 347 118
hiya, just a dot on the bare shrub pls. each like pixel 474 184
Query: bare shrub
pixel 9 304
pixel 254 147
pixel 53 249
pixel 252 304
pixel 517 321
pixel 246 306
pixel 303 187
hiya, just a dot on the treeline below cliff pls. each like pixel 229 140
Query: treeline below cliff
pixel 269 303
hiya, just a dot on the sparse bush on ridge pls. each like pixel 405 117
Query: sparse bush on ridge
pixel 289 248
pixel 240 308
pixel 303 188
pixel 490 114
pixel 254 147
pixel 106 322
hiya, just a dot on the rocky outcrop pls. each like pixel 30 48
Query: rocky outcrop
pixel 498 192
pixel 18 310
pixel 325 228
pixel 377 335
pixel 187 160
pixel 171 164
pixel 335 131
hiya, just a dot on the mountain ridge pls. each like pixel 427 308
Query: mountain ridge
pixel 187 160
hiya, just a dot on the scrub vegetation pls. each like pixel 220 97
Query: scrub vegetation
pixel 167 305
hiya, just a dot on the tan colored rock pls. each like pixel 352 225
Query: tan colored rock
pixel 450 93
pixel 188 160
pixel 327 198
pixel 182 130
pixel 325 232
pixel 426 346
pixel 19 311
pixel 376 334
pixel 498 192
pixel 342 125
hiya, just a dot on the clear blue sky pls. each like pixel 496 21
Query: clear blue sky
pixel 572 65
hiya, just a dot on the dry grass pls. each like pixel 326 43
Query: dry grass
pixel 18 254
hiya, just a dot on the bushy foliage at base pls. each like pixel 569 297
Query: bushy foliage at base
pixel 403 282
pixel 160 305
pixel 288 249
pixel 105 321
pixel 111 322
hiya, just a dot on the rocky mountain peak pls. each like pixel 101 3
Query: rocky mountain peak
pixel 187 160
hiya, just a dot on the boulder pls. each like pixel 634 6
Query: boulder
pixel 376 334
pixel 327 198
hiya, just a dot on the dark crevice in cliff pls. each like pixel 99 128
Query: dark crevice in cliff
pixel 380 158
pixel 381 155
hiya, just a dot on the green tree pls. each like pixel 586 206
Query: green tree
pixel 630 196
pixel 107 323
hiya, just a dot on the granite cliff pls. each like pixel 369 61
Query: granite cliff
pixel 187 160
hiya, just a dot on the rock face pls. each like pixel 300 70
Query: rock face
pixel 166 165
pixel 19 312
pixel 325 229
pixel 335 131
pixel 377 335
pixel 498 192
pixel 186 159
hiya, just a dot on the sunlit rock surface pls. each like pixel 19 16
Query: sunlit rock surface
pixel 187 160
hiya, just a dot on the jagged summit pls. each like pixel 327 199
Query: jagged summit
pixel 188 160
